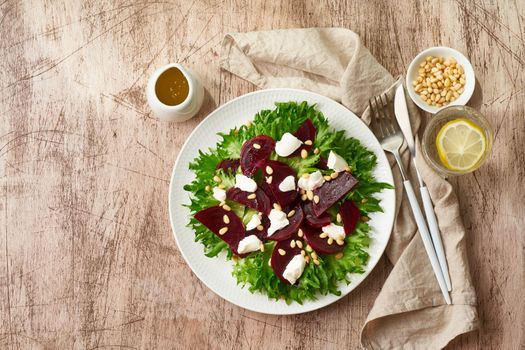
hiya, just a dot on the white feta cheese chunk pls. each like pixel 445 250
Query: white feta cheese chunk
pixel 335 231
pixel 254 222
pixel 336 162
pixel 313 181
pixel 287 145
pixel 244 183
pixel 294 269
pixel 288 184
pixel 219 194
pixel 249 244
pixel 278 220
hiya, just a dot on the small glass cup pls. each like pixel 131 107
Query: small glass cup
pixel 436 123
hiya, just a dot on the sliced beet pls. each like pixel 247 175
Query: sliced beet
pixel 229 165
pixel 265 223
pixel 254 152
pixel 305 132
pixel 331 191
pixel 322 164
pixel 261 202
pixel 320 245
pixel 315 221
pixel 278 173
pixel 295 222
pixel 213 219
pixel 350 215
pixel 279 262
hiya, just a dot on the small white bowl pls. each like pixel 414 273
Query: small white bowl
pixel 446 52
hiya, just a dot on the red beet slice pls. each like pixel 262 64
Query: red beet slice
pixel 279 172
pixel 261 202
pixel 279 262
pixel 213 219
pixel 320 245
pixel 350 215
pixel 305 132
pixel 331 191
pixel 229 165
pixel 315 221
pixel 254 157
pixel 294 222
pixel 265 223
pixel 322 163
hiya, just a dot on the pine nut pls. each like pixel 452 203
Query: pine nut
pixel 291 213
pixel 308 142
pixel 300 233
pixel 316 199
pixel 226 207
pixel 299 244
pixel 338 256
pixel 338 217
pixel 316 151
pixel 217 179
pixel 316 262
pixel 304 153
pixel 340 242
pixel 281 251
pixel 323 235
pixel 277 206
pixel 226 219
pixel 207 188
pixel 330 241
pixel 292 244
pixel 309 195
pixel 223 230
pixel 260 227
pixel 252 196
pixel 269 179
pixel 309 248
pixel 334 175
pixel 256 146
pixel 269 170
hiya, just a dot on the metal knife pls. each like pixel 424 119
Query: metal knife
pixel 403 119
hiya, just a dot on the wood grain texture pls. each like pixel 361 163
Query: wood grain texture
pixel 87 257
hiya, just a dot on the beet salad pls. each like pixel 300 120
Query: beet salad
pixel 287 198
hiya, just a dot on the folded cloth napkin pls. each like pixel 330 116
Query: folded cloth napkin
pixel 410 311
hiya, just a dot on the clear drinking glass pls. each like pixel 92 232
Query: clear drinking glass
pixel 436 123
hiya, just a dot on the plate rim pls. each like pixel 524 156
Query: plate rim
pixel 364 275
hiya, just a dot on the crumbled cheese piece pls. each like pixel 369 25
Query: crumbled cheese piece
pixel 278 220
pixel 294 269
pixel 249 244
pixel 288 184
pixel 244 183
pixel 287 145
pixel 219 194
pixel 310 183
pixel 254 222
pixel 335 231
pixel 336 162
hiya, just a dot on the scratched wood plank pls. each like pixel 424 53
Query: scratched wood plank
pixel 87 258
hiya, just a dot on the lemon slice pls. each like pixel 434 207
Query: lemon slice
pixel 461 144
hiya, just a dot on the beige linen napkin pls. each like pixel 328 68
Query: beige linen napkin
pixel 409 312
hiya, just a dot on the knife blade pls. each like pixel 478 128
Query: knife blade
pixel 403 118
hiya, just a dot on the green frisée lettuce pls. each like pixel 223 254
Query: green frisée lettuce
pixel 254 270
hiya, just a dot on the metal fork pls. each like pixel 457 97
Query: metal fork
pixel 384 126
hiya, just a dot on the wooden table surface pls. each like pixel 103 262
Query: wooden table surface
pixel 87 257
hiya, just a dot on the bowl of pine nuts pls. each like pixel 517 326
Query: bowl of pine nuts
pixel 440 77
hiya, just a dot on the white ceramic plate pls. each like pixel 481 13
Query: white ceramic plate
pixel 216 273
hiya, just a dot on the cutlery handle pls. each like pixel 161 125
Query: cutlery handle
pixel 436 235
pixel 427 240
